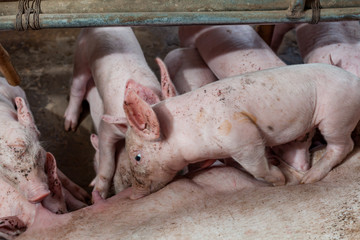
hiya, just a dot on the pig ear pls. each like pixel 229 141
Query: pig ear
pixel 144 93
pixel 167 87
pixel 51 172
pixel 119 122
pixel 11 226
pixel 141 116
pixel 55 202
pixel 24 115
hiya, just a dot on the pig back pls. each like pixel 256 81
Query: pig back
pixel 281 102
pixel 115 56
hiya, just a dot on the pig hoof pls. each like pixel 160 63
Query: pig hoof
pixel 312 176
pixel 96 197
pixel 309 178
pixel 277 178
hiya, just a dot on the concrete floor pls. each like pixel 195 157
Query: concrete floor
pixel 44 60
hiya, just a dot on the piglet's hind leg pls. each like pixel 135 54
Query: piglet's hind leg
pixel 334 155
pixel 337 134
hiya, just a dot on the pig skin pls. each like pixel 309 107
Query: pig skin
pixel 17 213
pixel 188 72
pixel 22 159
pixel 187 69
pixel 230 50
pixel 238 49
pixel 220 204
pixel 215 107
pixel 110 56
pixel 336 43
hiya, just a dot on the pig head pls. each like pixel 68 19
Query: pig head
pixel 22 159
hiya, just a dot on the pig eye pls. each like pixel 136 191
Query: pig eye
pixel 138 157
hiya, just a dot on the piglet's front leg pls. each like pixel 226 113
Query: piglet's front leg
pixel 252 157
pixel 107 148
pixel 78 89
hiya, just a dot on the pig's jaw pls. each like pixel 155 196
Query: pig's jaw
pixel 43 218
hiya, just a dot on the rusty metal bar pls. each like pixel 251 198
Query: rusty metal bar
pixel 113 6
pixel 89 13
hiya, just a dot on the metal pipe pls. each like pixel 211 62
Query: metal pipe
pixel 116 6
pixel 179 18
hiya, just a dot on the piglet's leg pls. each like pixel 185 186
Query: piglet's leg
pixel 72 203
pixel 296 153
pixel 74 189
pixel 339 143
pixel 10 227
pixel 252 156
pixel 333 156
pixel 77 93
pixel 107 148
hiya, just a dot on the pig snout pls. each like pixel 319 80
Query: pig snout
pixel 37 194
pixel 34 187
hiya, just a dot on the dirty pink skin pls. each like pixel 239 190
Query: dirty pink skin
pixel 190 72
pixel 336 43
pixel 110 56
pixel 187 69
pixel 183 71
pixel 234 50
pixel 22 159
pixel 230 118
pixel 102 213
pixel 230 50
pixel 317 211
pixel 121 179
pixel 17 213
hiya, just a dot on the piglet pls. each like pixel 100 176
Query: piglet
pixel 336 43
pixel 237 50
pixel 189 71
pixel 238 117
pixel 110 56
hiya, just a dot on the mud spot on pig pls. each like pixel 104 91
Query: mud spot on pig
pixel 200 117
pixel 225 128
pixel 270 128
pixel 250 117
pixel 249 81
pixel 240 117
